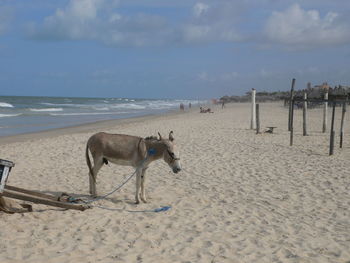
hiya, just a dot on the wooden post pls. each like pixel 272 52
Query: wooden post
pixel 305 114
pixel 331 142
pixel 290 104
pixel 291 123
pixel 325 112
pixel 342 125
pixel 38 200
pixel 29 192
pixel 257 119
pixel 253 114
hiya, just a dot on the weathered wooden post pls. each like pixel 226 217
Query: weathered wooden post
pixel 253 114
pixel 257 119
pixel 305 114
pixel 342 125
pixel 325 111
pixel 5 168
pixel 290 103
pixel 331 142
pixel 291 123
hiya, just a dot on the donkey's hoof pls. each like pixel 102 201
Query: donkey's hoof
pixel 144 200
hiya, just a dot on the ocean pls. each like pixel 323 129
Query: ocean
pixel 20 115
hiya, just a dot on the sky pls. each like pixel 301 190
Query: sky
pixel 179 49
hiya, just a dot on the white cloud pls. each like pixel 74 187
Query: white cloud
pixel 225 77
pixel 299 28
pixel 229 76
pixel 203 76
pixel 213 22
pixel 200 9
pixel 76 21
pixel 97 20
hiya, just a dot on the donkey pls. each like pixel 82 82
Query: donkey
pixel 130 151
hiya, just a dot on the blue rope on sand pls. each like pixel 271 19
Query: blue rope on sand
pixel 161 209
pixel 156 210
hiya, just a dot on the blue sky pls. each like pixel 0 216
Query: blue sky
pixel 170 49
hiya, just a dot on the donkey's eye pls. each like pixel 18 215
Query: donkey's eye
pixel 172 155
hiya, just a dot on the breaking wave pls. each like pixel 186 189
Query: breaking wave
pixel 9 115
pixel 46 110
pixel 6 105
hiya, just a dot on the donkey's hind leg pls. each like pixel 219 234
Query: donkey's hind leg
pixel 93 177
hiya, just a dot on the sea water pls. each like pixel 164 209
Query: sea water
pixel 31 114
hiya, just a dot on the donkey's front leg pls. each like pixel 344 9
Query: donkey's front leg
pixel 138 185
pixel 143 182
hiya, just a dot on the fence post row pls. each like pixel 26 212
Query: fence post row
pixel 305 115
pixel 290 103
pixel 325 112
pixel 253 120
pixel 291 123
pixel 331 141
pixel 257 119
pixel 342 125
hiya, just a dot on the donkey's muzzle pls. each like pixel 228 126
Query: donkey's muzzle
pixel 176 170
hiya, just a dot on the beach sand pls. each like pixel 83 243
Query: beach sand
pixel 240 197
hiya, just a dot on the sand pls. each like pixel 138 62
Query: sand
pixel 240 197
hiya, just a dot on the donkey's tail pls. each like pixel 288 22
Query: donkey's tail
pixel 88 162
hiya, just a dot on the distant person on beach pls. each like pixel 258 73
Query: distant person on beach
pixel 223 104
pixel 189 105
pixel 182 107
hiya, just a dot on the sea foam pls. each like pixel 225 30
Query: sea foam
pixel 9 115
pixel 6 105
pixel 46 109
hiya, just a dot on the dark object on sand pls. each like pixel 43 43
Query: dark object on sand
pixel 270 129
pixel 203 110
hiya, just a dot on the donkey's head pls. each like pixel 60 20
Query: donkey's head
pixel 171 155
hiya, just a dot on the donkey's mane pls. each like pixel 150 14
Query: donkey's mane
pixel 151 138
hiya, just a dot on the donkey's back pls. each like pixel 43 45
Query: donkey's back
pixel 116 146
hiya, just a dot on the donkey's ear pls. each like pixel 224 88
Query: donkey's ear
pixel 160 136
pixel 171 137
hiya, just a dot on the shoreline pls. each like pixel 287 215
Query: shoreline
pixel 86 127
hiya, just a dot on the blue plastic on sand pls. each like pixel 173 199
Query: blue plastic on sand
pixel 161 209
pixel 151 151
